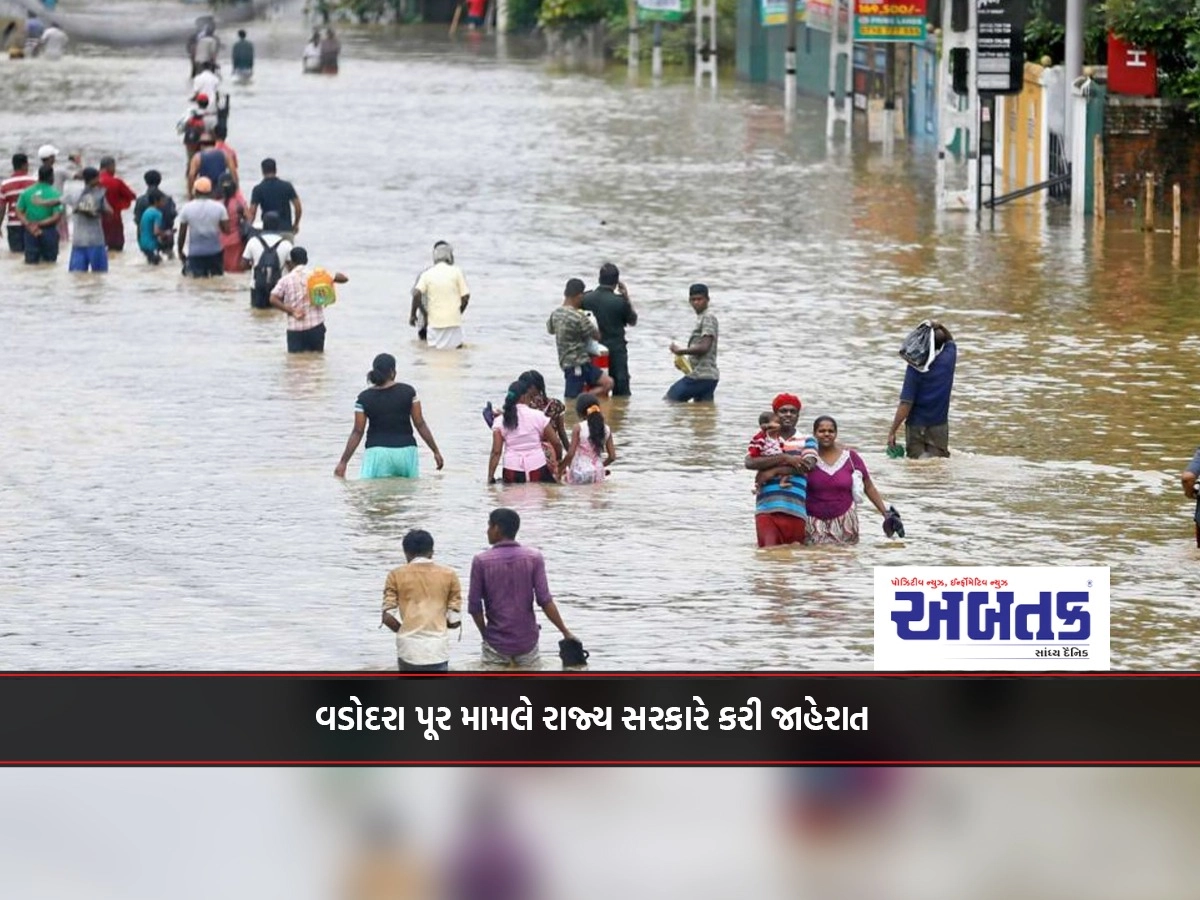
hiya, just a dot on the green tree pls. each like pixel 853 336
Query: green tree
pixel 573 15
pixel 1046 36
pixel 1170 29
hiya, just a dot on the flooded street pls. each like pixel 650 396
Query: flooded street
pixel 166 493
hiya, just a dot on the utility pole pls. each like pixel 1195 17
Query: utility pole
pixel 841 48
pixel 631 10
pixel 706 41
pixel 889 101
pixel 656 53
pixel 789 60
pixel 1076 15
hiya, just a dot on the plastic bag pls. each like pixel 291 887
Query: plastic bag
pixel 856 488
pixel 594 347
pixel 918 348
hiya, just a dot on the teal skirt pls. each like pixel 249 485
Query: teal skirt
pixel 390 462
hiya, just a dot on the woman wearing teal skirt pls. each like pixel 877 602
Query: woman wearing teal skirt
pixel 388 412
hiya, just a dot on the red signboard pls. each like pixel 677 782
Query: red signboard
pixel 1130 70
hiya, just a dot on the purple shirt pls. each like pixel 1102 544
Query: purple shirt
pixel 832 494
pixel 505 581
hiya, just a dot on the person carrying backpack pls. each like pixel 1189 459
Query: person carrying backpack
pixel 266 252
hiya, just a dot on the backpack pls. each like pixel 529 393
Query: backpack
pixel 321 291
pixel 268 270
pixel 90 204
pixel 193 129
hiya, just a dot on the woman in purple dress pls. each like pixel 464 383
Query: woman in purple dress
pixel 832 517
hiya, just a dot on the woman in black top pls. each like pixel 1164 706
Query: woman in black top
pixel 388 411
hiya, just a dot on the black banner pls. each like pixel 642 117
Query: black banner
pixel 1000 43
pixel 580 719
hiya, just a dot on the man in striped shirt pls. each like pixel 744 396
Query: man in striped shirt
pixel 780 514
pixel 10 190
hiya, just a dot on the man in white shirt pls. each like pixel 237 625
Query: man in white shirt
pixel 54 42
pixel 263 279
pixel 441 295
pixel 208 82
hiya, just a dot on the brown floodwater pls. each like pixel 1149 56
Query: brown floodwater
pixel 166 493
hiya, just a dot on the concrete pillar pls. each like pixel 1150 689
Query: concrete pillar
pixel 1073 63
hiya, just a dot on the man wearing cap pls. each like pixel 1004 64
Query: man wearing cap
pixel 609 303
pixel 701 383
pixel 441 293
pixel 120 197
pixel 87 229
pixel 306 320
pixel 11 189
pixel 201 222
pixel 780 513
pixel 48 156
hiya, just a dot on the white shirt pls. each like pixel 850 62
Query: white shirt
pixel 54 42
pixel 207 83
pixel 257 245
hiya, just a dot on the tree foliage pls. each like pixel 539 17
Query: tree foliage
pixel 1171 30
pixel 574 14
pixel 1045 34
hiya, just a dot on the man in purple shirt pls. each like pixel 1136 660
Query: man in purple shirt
pixel 506 580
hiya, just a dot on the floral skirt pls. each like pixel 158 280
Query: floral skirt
pixel 840 530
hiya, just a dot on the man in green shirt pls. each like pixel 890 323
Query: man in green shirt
pixel 572 330
pixel 609 303
pixel 40 209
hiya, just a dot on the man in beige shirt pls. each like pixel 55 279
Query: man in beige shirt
pixel 421 600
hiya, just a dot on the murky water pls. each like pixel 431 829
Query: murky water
pixel 166 493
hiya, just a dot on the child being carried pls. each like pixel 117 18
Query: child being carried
pixel 772 445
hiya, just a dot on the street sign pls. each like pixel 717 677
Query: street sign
pixel 1130 70
pixel 1000 43
pixel 889 20
pixel 663 10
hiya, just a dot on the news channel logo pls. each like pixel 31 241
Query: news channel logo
pixel 992 618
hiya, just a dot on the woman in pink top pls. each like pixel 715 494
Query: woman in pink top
pixel 517 435
pixel 832 518
pixel 233 242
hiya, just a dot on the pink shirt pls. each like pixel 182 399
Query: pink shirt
pixel 523 444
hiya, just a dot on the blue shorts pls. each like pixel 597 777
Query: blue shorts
pixel 580 378
pixel 84 258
